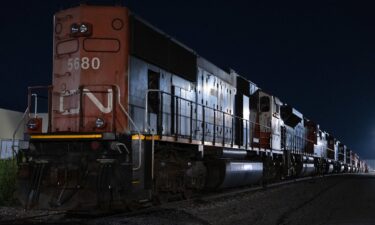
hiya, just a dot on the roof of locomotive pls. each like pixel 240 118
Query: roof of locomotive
pixel 226 74
pixel 201 61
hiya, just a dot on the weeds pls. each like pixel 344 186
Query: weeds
pixel 8 172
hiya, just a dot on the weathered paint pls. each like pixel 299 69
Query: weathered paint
pixel 88 71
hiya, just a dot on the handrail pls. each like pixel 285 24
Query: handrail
pixel 191 102
pixel 147 126
pixel 16 130
pixel 30 95
pixel 207 107
pixel 135 126
pixel 248 122
pixel 35 104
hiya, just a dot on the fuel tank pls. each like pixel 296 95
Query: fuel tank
pixel 228 173
pixel 308 169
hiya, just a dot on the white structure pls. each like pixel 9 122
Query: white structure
pixel 9 121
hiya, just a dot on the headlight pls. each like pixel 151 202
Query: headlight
pixel 99 123
pixel 74 28
pixel 83 28
pixel 32 124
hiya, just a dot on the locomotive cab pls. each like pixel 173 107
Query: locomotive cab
pixel 268 135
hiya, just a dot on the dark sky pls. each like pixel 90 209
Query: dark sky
pixel 317 56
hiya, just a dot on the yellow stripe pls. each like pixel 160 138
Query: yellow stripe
pixel 137 137
pixel 67 136
pixel 135 182
pixel 156 137
pixel 143 137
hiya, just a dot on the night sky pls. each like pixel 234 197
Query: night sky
pixel 318 56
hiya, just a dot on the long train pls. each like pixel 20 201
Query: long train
pixel 135 116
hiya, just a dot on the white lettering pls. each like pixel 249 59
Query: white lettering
pixel 98 104
pixel 95 63
pixel 85 63
pixel 93 99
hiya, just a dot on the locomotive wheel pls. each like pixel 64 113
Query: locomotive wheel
pixel 171 182
pixel 112 188
pixel 271 171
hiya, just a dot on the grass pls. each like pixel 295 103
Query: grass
pixel 8 172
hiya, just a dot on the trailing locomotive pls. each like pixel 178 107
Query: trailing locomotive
pixel 135 116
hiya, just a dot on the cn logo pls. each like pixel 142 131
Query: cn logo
pixel 93 99
pixel 97 103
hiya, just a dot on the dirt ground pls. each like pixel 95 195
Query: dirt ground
pixel 348 199
pixel 334 200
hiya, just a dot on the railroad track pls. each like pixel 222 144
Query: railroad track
pixel 208 197
pixel 34 218
pixel 64 217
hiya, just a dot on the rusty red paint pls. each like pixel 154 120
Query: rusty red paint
pixel 90 71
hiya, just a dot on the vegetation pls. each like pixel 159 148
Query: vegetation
pixel 8 171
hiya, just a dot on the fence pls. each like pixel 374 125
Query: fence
pixel 6 150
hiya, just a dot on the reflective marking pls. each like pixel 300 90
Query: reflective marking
pixel 137 137
pixel 156 137
pixel 67 136
pixel 143 137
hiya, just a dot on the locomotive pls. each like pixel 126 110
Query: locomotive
pixel 134 116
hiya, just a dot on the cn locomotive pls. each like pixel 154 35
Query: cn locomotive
pixel 134 116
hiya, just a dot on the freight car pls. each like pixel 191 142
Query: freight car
pixel 136 116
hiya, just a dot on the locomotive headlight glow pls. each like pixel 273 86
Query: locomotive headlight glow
pixel 83 28
pixel 99 123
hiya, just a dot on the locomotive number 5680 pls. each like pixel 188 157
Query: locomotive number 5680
pixel 84 63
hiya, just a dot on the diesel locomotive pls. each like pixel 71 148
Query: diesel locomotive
pixel 134 116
